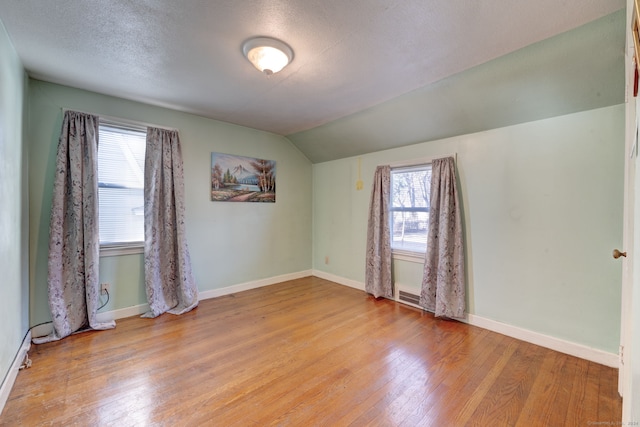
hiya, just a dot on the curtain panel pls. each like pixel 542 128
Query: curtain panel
pixel 169 282
pixel 74 241
pixel 378 263
pixel 443 283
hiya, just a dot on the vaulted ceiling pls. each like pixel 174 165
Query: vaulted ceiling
pixel 367 74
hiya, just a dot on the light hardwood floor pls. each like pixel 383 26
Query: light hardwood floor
pixel 303 353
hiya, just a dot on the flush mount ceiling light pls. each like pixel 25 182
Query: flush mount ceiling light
pixel 267 55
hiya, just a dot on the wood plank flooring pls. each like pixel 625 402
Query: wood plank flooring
pixel 306 352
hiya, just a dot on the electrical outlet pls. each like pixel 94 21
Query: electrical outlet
pixel 104 288
pixel 326 260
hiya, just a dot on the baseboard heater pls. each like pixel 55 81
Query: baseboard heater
pixel 408 297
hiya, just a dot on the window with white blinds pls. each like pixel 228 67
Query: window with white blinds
pixel 121 151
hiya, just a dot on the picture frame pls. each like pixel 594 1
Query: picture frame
pixel 635 31
pixel 242 179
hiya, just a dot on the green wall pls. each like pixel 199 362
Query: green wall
pixel 230 243
pixel 542 210
pixel 542 204
pixel 14 305
pixel 542 80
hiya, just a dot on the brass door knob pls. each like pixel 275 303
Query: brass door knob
pixel 617 254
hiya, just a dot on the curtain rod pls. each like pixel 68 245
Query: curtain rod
pixel 421 161
pixel 119 120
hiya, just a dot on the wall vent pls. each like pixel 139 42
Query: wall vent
pixel 409 298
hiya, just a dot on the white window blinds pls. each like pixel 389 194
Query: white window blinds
pixel 121 152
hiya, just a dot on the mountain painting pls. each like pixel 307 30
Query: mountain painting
pixel 242 179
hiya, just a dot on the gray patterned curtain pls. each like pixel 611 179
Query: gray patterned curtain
pixel 74 241
pixel 378 269
pixel 167 265
pixel 443 287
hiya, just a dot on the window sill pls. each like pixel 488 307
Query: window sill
pixel 417 257
pixel 116 250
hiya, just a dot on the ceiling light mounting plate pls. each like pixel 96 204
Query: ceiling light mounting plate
pixel 267 54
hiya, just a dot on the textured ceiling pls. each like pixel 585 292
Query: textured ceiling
pixel 350 56
pixel 575 71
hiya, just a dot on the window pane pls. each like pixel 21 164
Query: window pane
pixel 121 215
pixel 409 231
pixel 121 184
pixel 410 191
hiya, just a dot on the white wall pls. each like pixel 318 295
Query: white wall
pixel 630 379
pixel 542 204
pixel 631 385
pixel 230 243
pixel 14 308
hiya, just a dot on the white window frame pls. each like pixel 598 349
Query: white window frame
pixel 405 254
pixel 122 248
pixel 399 254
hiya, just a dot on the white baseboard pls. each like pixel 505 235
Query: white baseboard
pixel 121 313
pixel 340 280
pixel 553 343
pixel 10 379
pixel 213 293
pixel 41 330
pixel 106 316
pixel 140 309
pixel 557 344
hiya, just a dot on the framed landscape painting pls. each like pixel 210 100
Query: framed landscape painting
pixel 242 179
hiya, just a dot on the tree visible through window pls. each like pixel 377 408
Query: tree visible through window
pixel 121 185
pixel 410 191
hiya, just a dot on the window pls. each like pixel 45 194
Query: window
pixel 410 192
pixel 121 187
